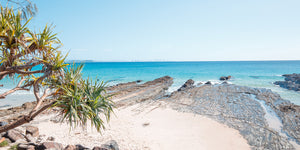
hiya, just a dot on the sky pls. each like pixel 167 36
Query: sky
pixel 174 30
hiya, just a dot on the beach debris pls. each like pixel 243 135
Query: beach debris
pixel 32 130
pixel 146 124
pixel 223 78
pixel 2 139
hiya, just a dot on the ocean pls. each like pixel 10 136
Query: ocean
pixel 260 74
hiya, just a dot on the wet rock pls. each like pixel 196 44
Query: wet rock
pixel 50 145
pixel 14 135
pixel 32 130
pixel 187 85
pixel 110 145
pixel 208 83
pixel 292 82
pixel 223 78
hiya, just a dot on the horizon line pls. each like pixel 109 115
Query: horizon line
pixel 179 60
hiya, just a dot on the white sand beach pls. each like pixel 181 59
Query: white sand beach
pixel 153 127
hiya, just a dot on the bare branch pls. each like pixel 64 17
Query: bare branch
pixel 2 96
pixel 24 119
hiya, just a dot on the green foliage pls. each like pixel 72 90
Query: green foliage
pixel 4 143
pixel 82 100
pixel 22 50
pixel 14 147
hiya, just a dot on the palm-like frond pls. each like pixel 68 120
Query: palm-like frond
pixel 83 100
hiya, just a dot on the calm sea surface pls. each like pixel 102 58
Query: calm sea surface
pixel 249 73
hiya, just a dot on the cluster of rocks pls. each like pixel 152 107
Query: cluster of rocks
pixel 31 140
pixel 292 82
pixel 239 107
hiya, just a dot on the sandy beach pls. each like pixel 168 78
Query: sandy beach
pixel 137 127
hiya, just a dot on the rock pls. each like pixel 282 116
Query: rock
pixel 208 83
pixel 70 147
pixel 241 108
pixel 14 135
pixel 3 123
pixel 27 146
pixel 187 85
pixel 50 145
pixel 29 138
pixel 80 147
pixel 138 81
pixel 28 105
pixel 50 138
pixel 110 145
pixel 33 131
pixel 127 94
pixel 292 82
pixel 99 148
pixel 225 78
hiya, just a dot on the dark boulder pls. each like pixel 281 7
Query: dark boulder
pixel 187 85
pixel 208 83
pixel 224 78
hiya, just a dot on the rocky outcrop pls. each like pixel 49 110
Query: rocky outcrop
pixel 187 85
pixel 242 108
pixel 132 93
pixel 292 82
pixel 224 78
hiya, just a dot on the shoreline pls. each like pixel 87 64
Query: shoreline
pixel 231 106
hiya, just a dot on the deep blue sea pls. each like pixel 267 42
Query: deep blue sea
pixel 249 73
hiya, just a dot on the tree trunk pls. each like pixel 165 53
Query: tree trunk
pixel 24 119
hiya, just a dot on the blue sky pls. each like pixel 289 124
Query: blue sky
pixel 173 30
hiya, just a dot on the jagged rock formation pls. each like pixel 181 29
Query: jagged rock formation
pixel 292 82
pixel 240 107
pixel 132 93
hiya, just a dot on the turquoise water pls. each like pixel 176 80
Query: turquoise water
pixel 249 73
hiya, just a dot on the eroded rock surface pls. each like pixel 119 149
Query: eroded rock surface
pixel 292 82
pixel 132 93
pixel 239 107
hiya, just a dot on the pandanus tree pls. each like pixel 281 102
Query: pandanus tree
pixel 35 60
